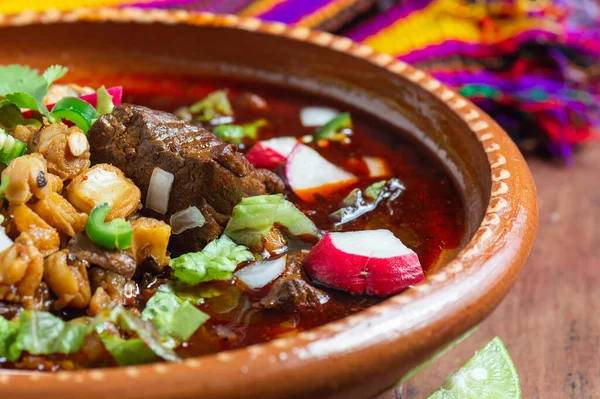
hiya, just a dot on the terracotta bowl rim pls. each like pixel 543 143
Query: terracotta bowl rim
pixel 494 141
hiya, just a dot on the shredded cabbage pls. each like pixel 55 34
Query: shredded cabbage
pixel 254 217
pixel 172 315
pixel 217 261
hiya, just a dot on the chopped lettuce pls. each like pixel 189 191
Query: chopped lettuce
pixel 145 331
pixel 104 101
pixel 214 105
pixel 8 334
pixel 229 133
pixel 254 217
pixel 251 129
pixel 236 133
pixel 127 352
pixel 217 261
pixel 172 315
pixel 41 333
pixel 22 86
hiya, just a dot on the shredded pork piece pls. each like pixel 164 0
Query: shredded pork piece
pixel 21 271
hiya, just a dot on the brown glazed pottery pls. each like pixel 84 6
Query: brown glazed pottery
pixel 367 353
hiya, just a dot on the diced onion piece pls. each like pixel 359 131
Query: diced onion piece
pixel 258 274
pixel 159 190
pixel 378 167
pixel 5 242
pixel 317 116
pixel 186 219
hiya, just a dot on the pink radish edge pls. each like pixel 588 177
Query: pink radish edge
pixel 269 154
pixel 372 262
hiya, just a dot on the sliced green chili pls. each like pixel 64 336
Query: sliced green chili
pixel 75 110
pixel 115 234
pixel 331 129
pixel 10 147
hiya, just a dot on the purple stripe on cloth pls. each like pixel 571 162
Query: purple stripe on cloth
pixel 384 20
pixel 292 11
pixel 589 46
pixel 476 50
pixel 214 6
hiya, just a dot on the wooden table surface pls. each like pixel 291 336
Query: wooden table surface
pixel 550 322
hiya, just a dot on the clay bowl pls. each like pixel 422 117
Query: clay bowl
pixel 367 353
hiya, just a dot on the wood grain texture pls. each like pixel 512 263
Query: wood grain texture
pixel 550 322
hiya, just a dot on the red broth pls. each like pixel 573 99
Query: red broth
pixel 428 217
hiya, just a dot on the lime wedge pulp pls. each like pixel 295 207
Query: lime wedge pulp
pixel 490 374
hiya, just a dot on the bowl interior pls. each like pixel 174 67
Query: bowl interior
pixel 219 51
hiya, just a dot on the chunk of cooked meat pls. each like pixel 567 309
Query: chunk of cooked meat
pixel 104 183
pixel 150 239
pixel 60 214
pixel 68 280
pixel 83 249
pixel 291 292
pixel 24 133
pixel 21 271
pixel 110 289
pixel 26 177
pixel 44 236
pixel 209 174
pixel 66 149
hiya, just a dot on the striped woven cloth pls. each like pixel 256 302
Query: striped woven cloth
pixel 532 64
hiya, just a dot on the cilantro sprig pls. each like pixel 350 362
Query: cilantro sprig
pixel 24 87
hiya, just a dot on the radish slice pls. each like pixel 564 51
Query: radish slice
pixel 317 116
pixel 372 262
pixel 377 166
pixel 308 173
pixel 115 92
pixel 270 153
pixel 258 274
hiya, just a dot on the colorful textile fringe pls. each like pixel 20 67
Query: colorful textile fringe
pixel 532 64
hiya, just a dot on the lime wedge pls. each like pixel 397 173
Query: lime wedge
pixel 490 374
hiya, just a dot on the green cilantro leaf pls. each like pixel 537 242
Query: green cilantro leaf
pixel 54 73
pixel 22 86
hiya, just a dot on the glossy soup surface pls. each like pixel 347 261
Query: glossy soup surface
pixel 428 216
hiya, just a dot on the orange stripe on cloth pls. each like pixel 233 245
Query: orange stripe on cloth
pixel 259 7
pixel 438 23
pixel 325 13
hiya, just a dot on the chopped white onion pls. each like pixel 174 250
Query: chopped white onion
pixel 159 190
pixel 187 219
pixel 317 116
pixel 377 166
pixel 5 242
pixel 258 274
